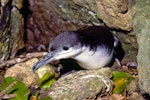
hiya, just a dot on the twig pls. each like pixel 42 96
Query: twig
pixel 8 96
pixel 2 94
pixel 22 58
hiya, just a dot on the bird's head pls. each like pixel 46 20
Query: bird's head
pixel 65 45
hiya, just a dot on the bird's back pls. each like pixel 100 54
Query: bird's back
pixel 96 35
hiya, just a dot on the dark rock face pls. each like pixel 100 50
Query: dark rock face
pixel 4 32
pixel 11 29
pixel 48 18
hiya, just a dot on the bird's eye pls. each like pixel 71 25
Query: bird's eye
pixel 65 48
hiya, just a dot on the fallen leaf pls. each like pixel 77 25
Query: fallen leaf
pixel 121 80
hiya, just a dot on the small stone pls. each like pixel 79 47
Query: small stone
pixel 132 86
pixel 136 96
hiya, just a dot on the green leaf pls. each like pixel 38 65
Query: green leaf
pixel 37 93
pixel 121 80
pixel 20 89
pixel 46 81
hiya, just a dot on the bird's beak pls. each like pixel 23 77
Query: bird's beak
pixel 47 59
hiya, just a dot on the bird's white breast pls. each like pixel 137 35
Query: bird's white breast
pixel 89 59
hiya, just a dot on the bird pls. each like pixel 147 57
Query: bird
pixel 91 47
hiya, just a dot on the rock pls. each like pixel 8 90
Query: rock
pixel 84 84
pixel 23 72
pixel 115 13
pixel 132 86
pixel 136 96
pixel 141 26
pixel 11 28
pixel 113 16
pixel 17 31
pixel 44 22
pixel 4 30
pixel 49 18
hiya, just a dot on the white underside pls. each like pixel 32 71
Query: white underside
pixel 93 60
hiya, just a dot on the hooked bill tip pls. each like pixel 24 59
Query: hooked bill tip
pixel 47 59
pixel 35 67
pixel 38 65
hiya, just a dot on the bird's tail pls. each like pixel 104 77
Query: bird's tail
pixel 118 50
